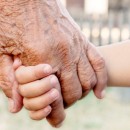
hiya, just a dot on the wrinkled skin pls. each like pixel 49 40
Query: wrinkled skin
pixel 42 31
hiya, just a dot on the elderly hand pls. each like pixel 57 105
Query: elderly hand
pixel 42 31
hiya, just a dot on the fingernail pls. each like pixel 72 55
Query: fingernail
pixel 48 109
pixel 53 81
pixel 47 69
pixel 103 93
pixel 11 105
pixel 54 94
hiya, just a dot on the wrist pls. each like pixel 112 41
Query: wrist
pixel 104 52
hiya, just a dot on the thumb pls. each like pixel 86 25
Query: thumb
pixel 17 62
pixel 9 84
pixel 16 102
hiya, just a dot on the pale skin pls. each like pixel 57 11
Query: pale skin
pixel 34 91
pixel 117 62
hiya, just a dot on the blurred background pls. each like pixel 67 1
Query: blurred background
pixel 103 22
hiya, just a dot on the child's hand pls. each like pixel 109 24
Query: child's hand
pixel 41 92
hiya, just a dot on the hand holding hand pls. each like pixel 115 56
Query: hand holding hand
pixel 49 35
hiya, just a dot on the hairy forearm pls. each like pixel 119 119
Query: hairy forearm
pixel 118 63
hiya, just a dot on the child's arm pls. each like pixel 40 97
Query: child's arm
pixel 117 57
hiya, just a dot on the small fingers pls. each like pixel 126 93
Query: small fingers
pixel 40 114
pixel 40 102
pixel 42 93
pixel 36 88
pixel 32 73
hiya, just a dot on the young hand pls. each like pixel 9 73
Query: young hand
pixel 41 93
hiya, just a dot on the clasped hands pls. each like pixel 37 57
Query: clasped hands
pixel 43 34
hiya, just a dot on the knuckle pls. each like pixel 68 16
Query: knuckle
pixel 99 63
pixel 72 98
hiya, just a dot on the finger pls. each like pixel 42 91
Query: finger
pixel 86 75
pixel 36 88
pixel 18 99
pixel 8 83
pixel 57 116
pixel 40 114
pixel 40 102
pixel 98 64
pixel 32 73
pixel 99 89
pixel 17 62
pixel 71 87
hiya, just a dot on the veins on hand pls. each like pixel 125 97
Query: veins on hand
pixel 10 30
